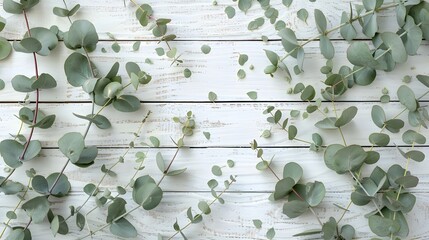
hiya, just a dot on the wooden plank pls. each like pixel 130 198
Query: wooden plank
pixel 215 72
pixel 233 220
pixel 199 162
pixel 230 124
pixel 190 19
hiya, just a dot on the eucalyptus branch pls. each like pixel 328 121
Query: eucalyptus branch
pixel 120 160
pixel 21 199
pixel 187 129
pixel 292 189
pixel 36 110
pixel 295 138
pixel 358 17
pixel 366 192
pixel 199 215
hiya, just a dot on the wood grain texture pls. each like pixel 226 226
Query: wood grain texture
pixel 233 220
pixel 191 19
pixel 215 72
pixel 233 122
pixel 230 124
pixel 199 161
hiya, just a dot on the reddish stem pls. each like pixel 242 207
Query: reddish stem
pixel 36 111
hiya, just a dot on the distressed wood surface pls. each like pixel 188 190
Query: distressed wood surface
pixel 233 122
pixel 199 161
pixel 215 72
pixel 230 124
pixel 233 220
pixel 191 20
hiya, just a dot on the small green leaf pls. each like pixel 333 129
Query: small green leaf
pixel 204 207
pixel 302 14
pixel 207 135
pixel 244 5
pixel 271 233
pixel 230 12
pixel 205 49
pixel 242 59
pixel 241 74
pixel 257 223
pixel 212 96
pixel 216 170
pixel 187 73
pixel 252 95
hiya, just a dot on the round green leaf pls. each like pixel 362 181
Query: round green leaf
pixel 292 170
pixel 326 47
pixel 37 208
pixel 283 187
pixel 40 184
pixel 72 145
pixel 123 228
pixel 396 46
pixel 407 98
pixel 308 94
pixel 146 192
pixel 5 48
pixel 126 103
pixel 82 34
pixel 411 136
pixel 295 208
pixel 379 139
pixel 230 12
pixel 27 45
pixel 315 193
pixel 45 37
pixel 349 158
pixel 346 116
pixel 378 116
pixel 320 19
pixel 77 69
pixel 13 7
pixel 359 54
pixel 112 90
pixel 22 83
pixel 63 186
pixel 382 226
pixel 45 81
pixel 205 49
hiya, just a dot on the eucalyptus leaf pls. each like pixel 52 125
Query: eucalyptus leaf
pixel 71 145
pixel 82 34
pixel 123 228
pixel 37 208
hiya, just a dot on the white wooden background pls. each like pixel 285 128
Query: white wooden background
pixel 233 121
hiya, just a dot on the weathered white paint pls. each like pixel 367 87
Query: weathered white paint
pixel 232 125
pixel 191 19
pixel 215 72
